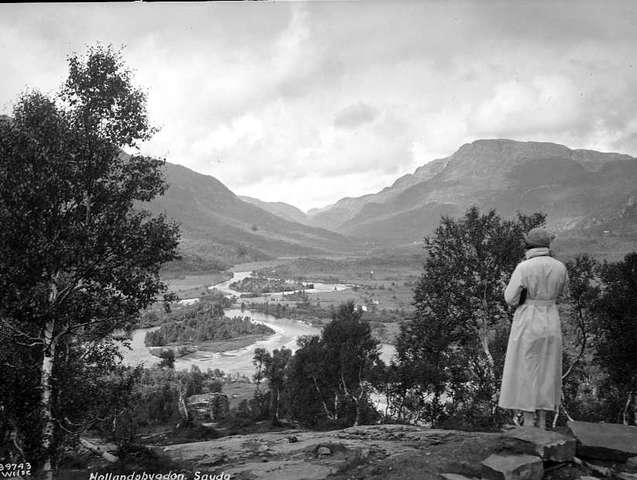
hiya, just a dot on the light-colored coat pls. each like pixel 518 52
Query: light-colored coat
pixel 532 377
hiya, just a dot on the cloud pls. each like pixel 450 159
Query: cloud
pixel 355 115
pixel 310 101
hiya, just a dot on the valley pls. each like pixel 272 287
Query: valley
pixel 588 196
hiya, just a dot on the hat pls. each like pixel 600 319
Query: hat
pixel 538 237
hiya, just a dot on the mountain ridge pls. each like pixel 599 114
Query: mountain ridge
pixel 281 209
pixel 579 189
pixel 217 224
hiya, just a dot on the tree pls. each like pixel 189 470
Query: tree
pixel 578 385
pixel 167 359
pixel 352 351
pixel 616 334
pixel 331 375
pixel 454 345
pixel 275 372
pixel 79 257
pixel 259 361
pixel 308 388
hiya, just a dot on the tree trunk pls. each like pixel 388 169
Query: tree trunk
pixel 357 420
pixel 629 401
pixel 275 415
pixel 183 409
pixel 46 399
pixel 109 457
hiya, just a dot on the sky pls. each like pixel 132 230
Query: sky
pixel 309 102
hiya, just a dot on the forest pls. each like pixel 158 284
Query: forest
pixel 204 328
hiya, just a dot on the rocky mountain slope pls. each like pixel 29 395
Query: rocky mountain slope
pixel 216 224
pixel 336 215
pixel 585 193
pixel 281 209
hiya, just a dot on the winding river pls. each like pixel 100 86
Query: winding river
pixel 239 362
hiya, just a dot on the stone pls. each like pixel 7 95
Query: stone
pixel 549 446
pixel 599 469
pixel 632 462
pixel 605 441
pixel 626 476
pixel 454 476
pixel 512 467
pixel 324 451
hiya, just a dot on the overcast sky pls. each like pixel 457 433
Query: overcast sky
pixel 309 102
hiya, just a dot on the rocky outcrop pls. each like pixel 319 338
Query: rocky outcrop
pixel 208 406
pixel 512 467
pixel 393 452
pixel 369 452
pixel 605 441
pixel 549 446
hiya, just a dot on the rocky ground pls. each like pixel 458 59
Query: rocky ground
pixel 409 452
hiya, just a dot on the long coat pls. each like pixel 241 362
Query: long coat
pixel 532 377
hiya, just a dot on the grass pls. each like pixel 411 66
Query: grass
pixel 198 282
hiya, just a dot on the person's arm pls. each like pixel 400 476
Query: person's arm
pixel 514 288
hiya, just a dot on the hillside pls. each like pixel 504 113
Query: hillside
pixel 336 215
pixel 588 196
pixel 280 209
pixel 217 225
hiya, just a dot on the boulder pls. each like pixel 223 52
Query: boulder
pixel 512 467
pixel 324 451
pixel 632 462
pixel 208 406
pixel 605 441
pixel 547 445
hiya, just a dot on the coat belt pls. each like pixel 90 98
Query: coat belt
pixel 535 301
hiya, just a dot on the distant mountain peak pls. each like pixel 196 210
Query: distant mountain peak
pixel 577 188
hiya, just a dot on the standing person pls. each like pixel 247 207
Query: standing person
pixel 532 377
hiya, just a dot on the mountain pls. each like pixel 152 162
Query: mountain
pixel 333 216
pixel 585 193
pixel 217 226
pixel 280 209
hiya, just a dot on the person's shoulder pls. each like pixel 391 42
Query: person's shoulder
pixel 558 263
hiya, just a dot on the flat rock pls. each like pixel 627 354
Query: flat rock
pixel 372 452
pixel 626 476
pixel 545 444
pixel 605 441
pixel 599 469
pixel 454 476
pixel 512 467
pixel 281 470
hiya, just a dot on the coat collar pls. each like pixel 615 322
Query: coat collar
pixel 537 252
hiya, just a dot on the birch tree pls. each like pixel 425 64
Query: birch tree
pixel 454 342
pixel 79 257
